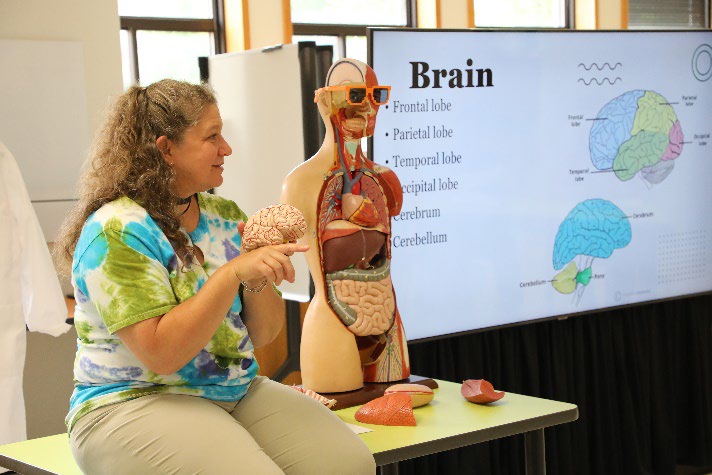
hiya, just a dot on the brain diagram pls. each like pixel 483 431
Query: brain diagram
pixel 637 131
pixel 593 229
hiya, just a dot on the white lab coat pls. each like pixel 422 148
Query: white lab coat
pixel 30 293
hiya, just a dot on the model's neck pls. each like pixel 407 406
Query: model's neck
pixel 348 152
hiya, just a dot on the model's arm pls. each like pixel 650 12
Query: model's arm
pixel 166 343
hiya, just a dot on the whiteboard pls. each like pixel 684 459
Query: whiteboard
pixel 259 96
pixel 44 121
pixel 544 173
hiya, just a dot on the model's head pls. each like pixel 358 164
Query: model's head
pixel 351 98
pixel 125 159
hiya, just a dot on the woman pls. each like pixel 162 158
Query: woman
pixel 168 310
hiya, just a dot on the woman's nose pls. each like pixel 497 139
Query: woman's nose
pixel 225 148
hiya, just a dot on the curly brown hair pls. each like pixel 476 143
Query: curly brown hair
pixel 124 160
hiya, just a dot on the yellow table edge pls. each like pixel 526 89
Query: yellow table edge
pixel 448 422
pixel 40 456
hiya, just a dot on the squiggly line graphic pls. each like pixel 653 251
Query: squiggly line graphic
pixel 600 68
pixel 600 83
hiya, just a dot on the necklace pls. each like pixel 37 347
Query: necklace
pixel 188 200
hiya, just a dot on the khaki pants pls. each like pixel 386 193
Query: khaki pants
pixel 273 429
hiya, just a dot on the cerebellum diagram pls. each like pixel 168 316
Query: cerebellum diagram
pixel 595 228
pixel 638 132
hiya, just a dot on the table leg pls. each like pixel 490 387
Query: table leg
pixel 390 469
pixel 534 452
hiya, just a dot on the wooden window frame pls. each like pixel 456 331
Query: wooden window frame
pixel 569 17
pixel 342 31
pixel 131 24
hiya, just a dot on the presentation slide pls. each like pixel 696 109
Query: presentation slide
pixel 544 173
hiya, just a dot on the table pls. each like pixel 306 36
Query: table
pixel 448 422
pixel 44 456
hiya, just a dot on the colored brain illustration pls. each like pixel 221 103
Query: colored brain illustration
pixel 637 131
pixel 275 224
pixel 593 228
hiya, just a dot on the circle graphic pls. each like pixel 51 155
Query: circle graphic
pixel 702 62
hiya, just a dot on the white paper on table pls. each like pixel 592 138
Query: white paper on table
pixel 358 429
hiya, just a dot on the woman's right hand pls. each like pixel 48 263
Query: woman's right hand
pixel 269 262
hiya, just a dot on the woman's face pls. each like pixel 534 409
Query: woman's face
pixel 199 157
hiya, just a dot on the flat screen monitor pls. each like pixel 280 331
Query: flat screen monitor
pixel 544 173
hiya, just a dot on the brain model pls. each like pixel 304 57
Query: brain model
pixel 636 132
pixel 276 224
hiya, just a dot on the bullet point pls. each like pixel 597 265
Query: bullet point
pixel 386 134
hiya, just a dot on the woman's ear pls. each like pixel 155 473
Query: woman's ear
pixel 164 147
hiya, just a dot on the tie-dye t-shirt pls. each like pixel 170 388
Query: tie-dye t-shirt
pixel 125 271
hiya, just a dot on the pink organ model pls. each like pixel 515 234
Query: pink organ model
pixel 352 329
pixel 276 224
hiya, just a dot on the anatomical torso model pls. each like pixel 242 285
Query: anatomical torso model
pixel 352 330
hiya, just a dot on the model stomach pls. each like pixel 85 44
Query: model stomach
pixel 347 245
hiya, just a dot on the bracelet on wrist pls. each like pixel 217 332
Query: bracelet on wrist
pixel 256 289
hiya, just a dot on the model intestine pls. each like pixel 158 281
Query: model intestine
pixel 371 305
pixel 276 224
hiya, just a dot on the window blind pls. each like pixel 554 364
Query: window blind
pixel 668 14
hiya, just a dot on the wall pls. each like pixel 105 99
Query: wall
pixel 96 24
pixel 61 145
pixel 253 24
pixel 48 382
pixel 456 14
pixel 267 23
pixel 612 14
pixel 48 370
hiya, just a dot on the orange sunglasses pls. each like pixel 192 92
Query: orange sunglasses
pixel 356 95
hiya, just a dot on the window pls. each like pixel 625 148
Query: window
pixel 521 13
pixel 342 23
pixel 668 14
pixel 348 12
pixel 164 38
